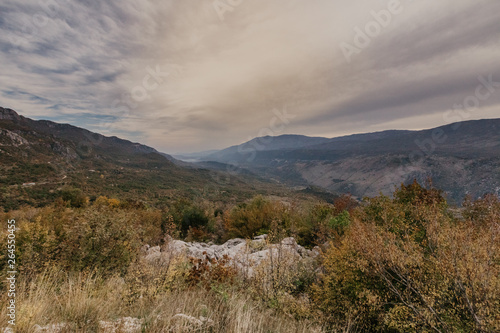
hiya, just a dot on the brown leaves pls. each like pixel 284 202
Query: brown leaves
pixel 422 269
pixel 209 270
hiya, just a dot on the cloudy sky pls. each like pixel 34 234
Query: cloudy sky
pixel 186 76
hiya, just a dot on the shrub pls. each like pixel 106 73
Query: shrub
pixel 255 218
pixel 210 271
pixel 101 239
pixel 406 265
pixel 340 223
pixel 188 216
pixel 74 197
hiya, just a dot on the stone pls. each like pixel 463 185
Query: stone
pixel 121 325
pixel 190 319
pixel 51 328
pixel 242 254
pixel 261 237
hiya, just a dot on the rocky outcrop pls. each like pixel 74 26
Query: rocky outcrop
pixel 63 150
pixel 51 328
pixel 243 254
pixel 16 139
pixel 9 114
pixel 122 325
pixel 195 322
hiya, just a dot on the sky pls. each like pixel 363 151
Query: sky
pixel 187 76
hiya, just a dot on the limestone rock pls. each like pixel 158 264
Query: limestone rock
pixel 201 321
pixel 243 254
pixel 122 325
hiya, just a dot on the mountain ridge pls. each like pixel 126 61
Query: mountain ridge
pixel 462 158
pixel 369 163
pixel 40 159
pixel 71 132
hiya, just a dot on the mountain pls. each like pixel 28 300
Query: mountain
pixel 461 158
pixel 266 143
pixel 40 159
pixel 80 142
pixel 194 157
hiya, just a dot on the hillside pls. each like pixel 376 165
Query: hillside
pixel 266 143
pixel 39 160
pixel 461 158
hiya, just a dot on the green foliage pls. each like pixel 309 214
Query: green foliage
pixel 23 172
pixel 74 197
pixel 325 222
pixel 193 217
pixel 340 223
pixel 255 218
pixel 190 218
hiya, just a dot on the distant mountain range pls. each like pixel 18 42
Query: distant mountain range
pixel 39 159
pixel 461 158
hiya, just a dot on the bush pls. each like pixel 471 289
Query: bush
pixel 210 271
pixel 406 264
pixel 191 219
pixel 255 218
pixel 74 197
pixel 94 238
pixel 101 239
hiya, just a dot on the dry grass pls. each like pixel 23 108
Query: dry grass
pixel 225 311
pixel 55 297
pixel 83 300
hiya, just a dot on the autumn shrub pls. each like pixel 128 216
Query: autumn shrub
pixel 345 202
pixel 148 280
pixel 103 201
pixel 406 264
pixel 282 278
pixel 74 197
pixel 348 294
pixel 40 232
pixel 254 218
pixel 100 237
pixel 277 278
pixel 484 210
pixel 208 271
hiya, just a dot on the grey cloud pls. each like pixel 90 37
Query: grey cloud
pixel 394 95
pixel 25 96
pixel 264 55
pixel 443 36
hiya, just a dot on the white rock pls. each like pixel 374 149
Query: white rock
pixel 50 328
pixel 190 319
pixel 261 237
pixel 122 325
pixel 289 241
pixel 243 255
